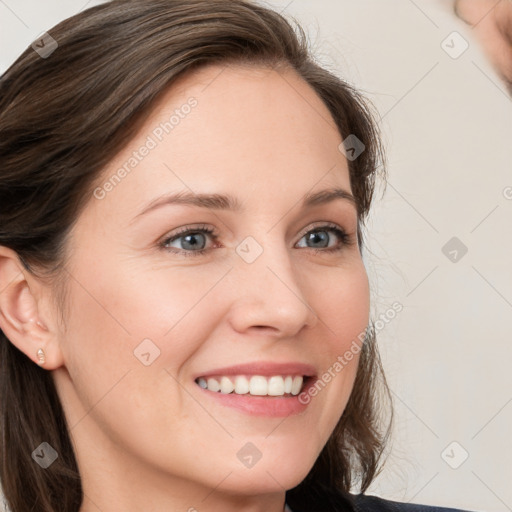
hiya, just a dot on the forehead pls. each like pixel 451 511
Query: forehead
pixel 244 130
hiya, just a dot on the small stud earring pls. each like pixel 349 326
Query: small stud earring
pixel 41 356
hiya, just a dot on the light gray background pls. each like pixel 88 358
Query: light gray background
pixel 447 125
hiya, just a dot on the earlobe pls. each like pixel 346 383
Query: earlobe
pixel 20 318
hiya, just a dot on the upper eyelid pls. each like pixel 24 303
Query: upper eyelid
pixel 322 224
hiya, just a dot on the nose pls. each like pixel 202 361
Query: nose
pixel 269 295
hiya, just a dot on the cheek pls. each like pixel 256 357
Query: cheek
pixel 344 309
pixel 127 317
pixel 114 327
pixel 132 304
pixel 153 302
pixel 343 304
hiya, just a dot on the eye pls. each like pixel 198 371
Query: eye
pixel 191 241
pixel 319 236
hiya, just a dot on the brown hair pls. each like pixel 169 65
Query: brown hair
pixel 62 119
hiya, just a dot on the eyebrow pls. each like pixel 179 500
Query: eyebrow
pixel 227 202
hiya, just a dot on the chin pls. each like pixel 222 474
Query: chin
pixel 266 479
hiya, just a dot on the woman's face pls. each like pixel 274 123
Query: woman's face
pixel 148 315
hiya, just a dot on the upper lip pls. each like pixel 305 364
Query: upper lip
pixel 267 368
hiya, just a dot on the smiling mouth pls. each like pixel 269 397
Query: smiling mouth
pixel 255 385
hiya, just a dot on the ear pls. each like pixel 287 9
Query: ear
pixel 24 317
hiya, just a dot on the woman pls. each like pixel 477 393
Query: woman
pixel 140 372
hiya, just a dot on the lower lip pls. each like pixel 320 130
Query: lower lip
pixel 274 406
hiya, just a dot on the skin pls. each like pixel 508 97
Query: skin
pixel 492 24
pixel 145 436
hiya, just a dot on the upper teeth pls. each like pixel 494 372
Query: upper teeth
pixel 257 385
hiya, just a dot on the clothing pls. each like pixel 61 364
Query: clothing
pixel 376 504
pixel 365 503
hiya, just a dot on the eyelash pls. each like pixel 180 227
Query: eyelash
pixel 345 239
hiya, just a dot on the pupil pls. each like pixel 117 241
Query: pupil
pixel 191 236
pixel 318 235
